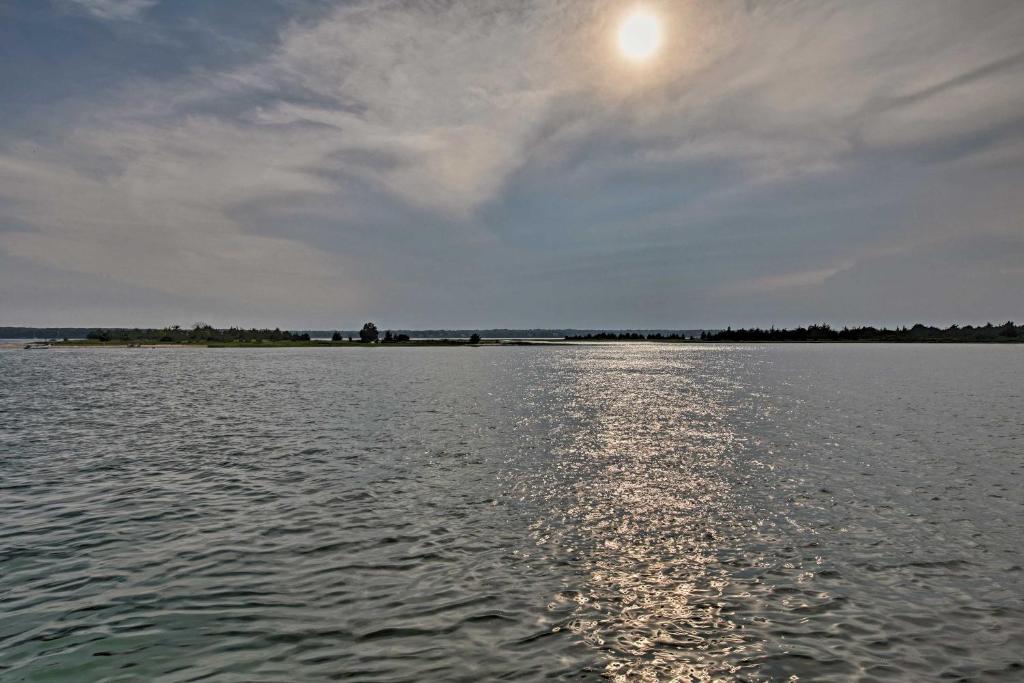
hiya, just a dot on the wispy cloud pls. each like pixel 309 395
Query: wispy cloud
pixel 113 9
pixel 380 146
pixel 794 280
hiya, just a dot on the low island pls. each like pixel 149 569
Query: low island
pixel 202 334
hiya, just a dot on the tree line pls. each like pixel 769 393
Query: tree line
pixel 918 333
pixel 204 333
pixel 199 332
pixel 369 334
pixel 627 336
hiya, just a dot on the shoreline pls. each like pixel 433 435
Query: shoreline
pixel 84 344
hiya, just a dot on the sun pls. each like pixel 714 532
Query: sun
pixel 640 35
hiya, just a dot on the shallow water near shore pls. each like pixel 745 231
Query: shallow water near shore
pixel 624 511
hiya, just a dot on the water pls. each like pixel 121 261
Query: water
pixel 627 511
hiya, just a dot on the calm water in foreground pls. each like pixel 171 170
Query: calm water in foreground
pixel 632 511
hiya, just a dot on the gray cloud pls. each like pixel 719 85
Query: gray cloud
pixel 489 163
pixel 113 9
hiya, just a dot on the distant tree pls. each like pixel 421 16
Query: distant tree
pixel 336 336
pixel 388 337
pixel 474 338
pixel 369 333
pixel 401 338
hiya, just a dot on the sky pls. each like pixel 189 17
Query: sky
pixel 500 163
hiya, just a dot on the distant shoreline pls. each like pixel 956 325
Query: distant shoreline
pixel 204 335
pixel 84 344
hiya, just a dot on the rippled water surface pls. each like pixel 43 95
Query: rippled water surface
pixel 628 511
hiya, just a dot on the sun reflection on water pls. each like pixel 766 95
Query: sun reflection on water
pixel 644 500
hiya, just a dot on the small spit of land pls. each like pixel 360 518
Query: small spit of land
pixel 207 335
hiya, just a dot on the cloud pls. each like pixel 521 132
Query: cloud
pixel 381 153
pixel 794 280
pixel 958 280
pixel 119 10
pixel 155 218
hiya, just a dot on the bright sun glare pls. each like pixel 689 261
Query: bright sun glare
pixel 639 35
